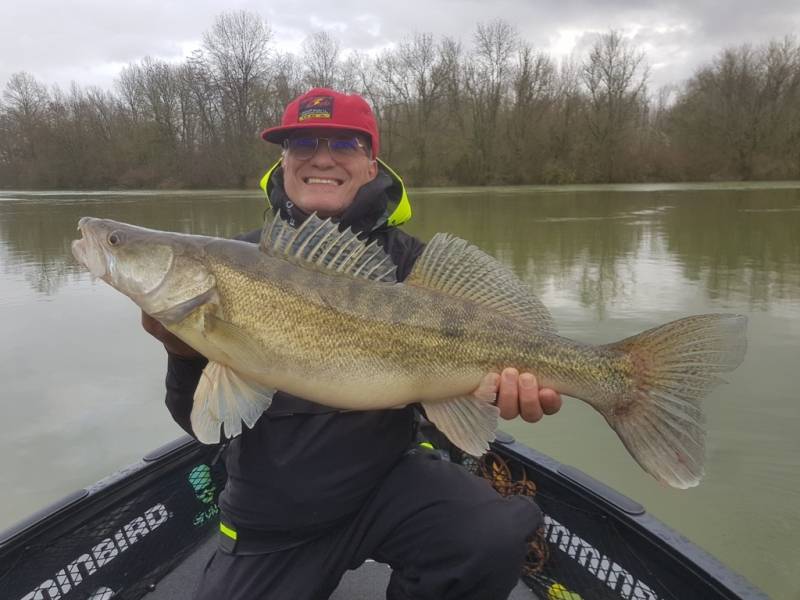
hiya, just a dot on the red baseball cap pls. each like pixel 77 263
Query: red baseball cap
pixel 322 107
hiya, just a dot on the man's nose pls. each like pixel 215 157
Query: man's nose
pixel 322 155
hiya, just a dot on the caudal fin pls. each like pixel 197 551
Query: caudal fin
pixel 675 366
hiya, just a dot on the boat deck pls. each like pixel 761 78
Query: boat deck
pixel 366 583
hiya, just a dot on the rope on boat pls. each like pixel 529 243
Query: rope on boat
pixel 496 470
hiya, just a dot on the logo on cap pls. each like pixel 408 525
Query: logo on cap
pixel 317 107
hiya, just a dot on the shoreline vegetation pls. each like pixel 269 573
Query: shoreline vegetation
pixel 490 110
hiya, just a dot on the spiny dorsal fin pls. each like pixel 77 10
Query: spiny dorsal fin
pixel 321 244
pixel 456 267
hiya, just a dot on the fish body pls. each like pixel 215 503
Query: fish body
pixel 357 344
pixel 317 313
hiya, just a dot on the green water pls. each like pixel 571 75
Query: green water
pixel 82 384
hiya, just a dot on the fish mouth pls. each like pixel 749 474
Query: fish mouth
pixel 88 251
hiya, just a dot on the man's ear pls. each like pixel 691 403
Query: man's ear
pixel 373 169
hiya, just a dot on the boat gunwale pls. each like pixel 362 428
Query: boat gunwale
pixel 670 543
pixel 82 505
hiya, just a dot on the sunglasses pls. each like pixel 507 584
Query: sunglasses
pixel 341 147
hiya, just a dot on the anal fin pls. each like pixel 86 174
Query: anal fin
pixel 225 398
pixel 468 422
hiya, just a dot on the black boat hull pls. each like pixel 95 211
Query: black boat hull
pixel 121 537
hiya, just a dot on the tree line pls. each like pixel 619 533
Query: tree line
pixel 494 110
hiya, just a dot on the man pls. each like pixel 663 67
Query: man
pixel 313 491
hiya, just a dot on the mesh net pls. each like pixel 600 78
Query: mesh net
pixel 120 542
pixel 581 552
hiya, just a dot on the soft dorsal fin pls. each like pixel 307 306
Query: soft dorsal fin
pixel 456 267
pixel 320 244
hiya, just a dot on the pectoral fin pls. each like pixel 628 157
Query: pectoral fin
pixel 235 343
pixel 466 421
pixel 225 398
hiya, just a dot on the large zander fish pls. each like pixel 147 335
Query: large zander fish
pixel 317 313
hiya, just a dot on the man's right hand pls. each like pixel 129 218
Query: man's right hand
pixel 172 343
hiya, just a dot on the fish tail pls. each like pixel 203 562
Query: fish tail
pixel 673 367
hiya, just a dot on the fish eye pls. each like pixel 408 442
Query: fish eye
pixel 115 238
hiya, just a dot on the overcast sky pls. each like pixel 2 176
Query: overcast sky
pixel 89 41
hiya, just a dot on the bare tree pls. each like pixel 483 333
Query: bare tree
pixel 321 60
pixel 450 71
pixel 160 86
pixel 532 96
pixel 486 80
pixel 287 84
pixel 202 87
pixel 350 70
pixel 741 109
pixel 235 62
pixel 615 75
pixel 413 81
pixel 502 112
pixel 129 90
pixel 568 103
pixel 25 100
pixel 781 93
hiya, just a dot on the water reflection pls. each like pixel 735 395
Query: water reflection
pixel 36 229
pixel 737 243
pixel 557 240
pixel 743 243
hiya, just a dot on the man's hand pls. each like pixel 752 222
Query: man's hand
pixel 172 343
pixel 518 395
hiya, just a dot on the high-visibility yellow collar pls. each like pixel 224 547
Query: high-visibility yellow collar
pixel 400 206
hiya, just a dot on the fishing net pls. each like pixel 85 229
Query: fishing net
pixel 580 553
pixel 496 470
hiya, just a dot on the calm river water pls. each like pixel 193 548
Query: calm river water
pixel 82 384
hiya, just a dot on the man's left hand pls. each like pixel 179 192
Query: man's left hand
pixel 518 395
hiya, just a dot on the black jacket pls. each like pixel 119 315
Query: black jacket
pixel 304 467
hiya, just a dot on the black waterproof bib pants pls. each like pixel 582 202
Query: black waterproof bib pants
pixel 446 534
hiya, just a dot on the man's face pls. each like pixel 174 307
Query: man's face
pixel 322 183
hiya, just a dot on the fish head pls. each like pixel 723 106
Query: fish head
pixel 162 272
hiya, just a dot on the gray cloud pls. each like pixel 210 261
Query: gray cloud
pixel 89 41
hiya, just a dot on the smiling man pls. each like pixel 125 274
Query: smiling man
pixel 313 491
pixel 326 182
